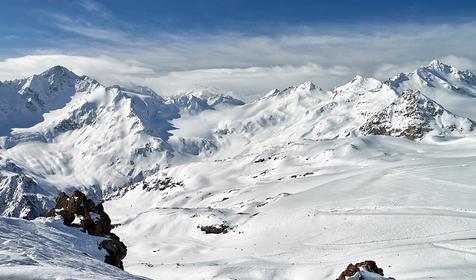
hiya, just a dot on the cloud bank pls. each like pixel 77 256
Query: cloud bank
pixel 249 65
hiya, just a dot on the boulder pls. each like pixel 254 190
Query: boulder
pixel 116 250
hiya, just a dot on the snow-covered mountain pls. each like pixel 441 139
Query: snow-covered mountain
pixel 414 115
pixel 299 182
pixel 72 130
pixel 23 102
pixel 101 139
pixel 453 89
pixel 196 101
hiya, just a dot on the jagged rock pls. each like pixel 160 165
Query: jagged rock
pixel 80 211
pixel 353 271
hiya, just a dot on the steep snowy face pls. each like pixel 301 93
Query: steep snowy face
pixel 46 249
pixel 454 89
pixel 414 115
pixel 350 106
pixel 190 104
pixel 284 116
pixel 23 102
pixel 196 101
pixel 101 139
pixel 20 194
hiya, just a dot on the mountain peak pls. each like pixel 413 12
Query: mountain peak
pixel 195 101
pixel 436 63
pixel 308 85
pixel 414 115
pixel 439 66
pixel 58 70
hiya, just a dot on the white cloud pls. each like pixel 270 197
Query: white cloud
pixel 87 29
pixel 252 65
pixel 247 82
pixel 459 62
pixel 107 69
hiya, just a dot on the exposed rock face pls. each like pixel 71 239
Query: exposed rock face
pixel 161 184
pixel 353 270
pixel 116 251
pixel 80 211
pixel 215 229
pixel 414 115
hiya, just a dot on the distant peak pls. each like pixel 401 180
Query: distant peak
pixel 435 62
pixel 307 86
pixel 357 79
pixel 439 66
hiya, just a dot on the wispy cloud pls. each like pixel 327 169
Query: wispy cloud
pixel 250 65
pixel 10 37
pixel 87 28
pixel 95 8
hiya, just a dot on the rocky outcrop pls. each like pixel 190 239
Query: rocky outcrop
pixel 80 211
pixel 361 270
pixel 215 229
pixel 413 115
pixel 161 184
pixel 116 251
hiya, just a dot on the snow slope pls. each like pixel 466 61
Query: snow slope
pixel 305 211
pixel 82 145
pixel 46 249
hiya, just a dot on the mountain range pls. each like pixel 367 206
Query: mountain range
pixel 306 179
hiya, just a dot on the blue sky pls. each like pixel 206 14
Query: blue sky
pixel 248 47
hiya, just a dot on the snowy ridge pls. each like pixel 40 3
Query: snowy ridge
pixel 453 89
pixel 414 115
pixel 195 101
pixel 81 145
pixel 82 141
pixel 23 102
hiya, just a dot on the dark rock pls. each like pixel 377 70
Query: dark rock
pixel 368 265
pixel 215 229
pixel 116 250
pixel 80 211
pixel 162 184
